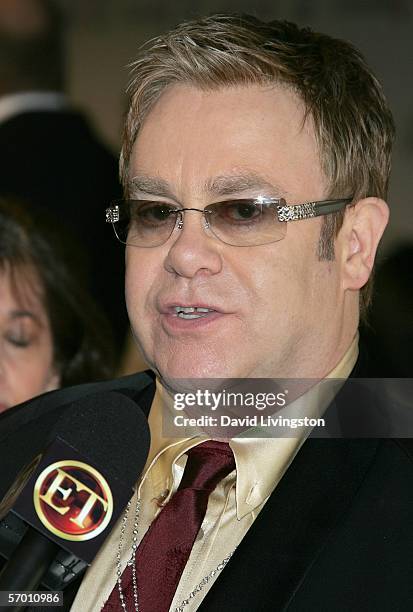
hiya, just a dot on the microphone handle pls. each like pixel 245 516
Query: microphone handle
pixel 27 565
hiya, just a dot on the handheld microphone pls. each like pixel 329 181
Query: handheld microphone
pixel 72 495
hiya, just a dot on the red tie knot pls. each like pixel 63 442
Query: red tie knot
pixel 207 464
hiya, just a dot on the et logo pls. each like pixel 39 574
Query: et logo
pixel 73 500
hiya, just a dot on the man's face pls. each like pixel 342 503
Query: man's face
pixel 277 310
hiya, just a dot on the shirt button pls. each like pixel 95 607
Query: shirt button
pixel 161 497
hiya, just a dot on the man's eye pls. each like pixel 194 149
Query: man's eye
pixel 154 213
pixel 241 211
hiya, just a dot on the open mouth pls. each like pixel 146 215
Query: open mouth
pixel 192 312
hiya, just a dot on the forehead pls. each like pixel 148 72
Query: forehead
pixel 191 136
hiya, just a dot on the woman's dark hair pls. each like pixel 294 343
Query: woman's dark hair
pixel 82 339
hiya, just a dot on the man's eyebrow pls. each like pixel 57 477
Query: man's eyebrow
pixel 230 184
pixel 151 185
pixel 237 183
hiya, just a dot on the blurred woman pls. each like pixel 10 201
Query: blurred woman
pixel 51 334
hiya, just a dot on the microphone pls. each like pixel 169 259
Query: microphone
pixel 72 494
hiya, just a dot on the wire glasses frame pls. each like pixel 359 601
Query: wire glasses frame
pixel 243 222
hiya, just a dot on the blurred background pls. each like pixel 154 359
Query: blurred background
pixel 103 37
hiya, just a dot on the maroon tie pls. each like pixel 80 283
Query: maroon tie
pixel 164 551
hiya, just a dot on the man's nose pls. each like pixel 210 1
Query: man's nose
pixel 194 250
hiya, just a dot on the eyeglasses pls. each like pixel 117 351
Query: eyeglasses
pixel 244 222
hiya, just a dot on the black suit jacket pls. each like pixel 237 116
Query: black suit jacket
pixel 55 162
pixel 335 535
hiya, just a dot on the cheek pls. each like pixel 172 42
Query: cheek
pixel 137 276
pixel 31 375
pixel 140 283
pixel 327 294
pixel 290 291
pixel 274 286
pixel 43 374
pixel 40 371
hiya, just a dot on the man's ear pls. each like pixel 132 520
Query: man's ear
pixel 363 227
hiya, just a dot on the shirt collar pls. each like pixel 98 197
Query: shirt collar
pixel 260 462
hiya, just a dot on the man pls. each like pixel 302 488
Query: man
pixel 232 110
pixel 50 156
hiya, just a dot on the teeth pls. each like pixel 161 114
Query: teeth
pixel 188 309
pixel 190 312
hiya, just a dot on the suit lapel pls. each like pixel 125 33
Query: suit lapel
pixel 294 525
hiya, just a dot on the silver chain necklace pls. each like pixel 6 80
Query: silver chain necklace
pixel 131 562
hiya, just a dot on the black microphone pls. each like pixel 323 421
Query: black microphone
pixel 74 492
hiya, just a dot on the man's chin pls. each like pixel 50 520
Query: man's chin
pixel 189 375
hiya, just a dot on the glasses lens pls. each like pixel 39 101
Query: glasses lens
pixel 145 223
pixel 245 222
